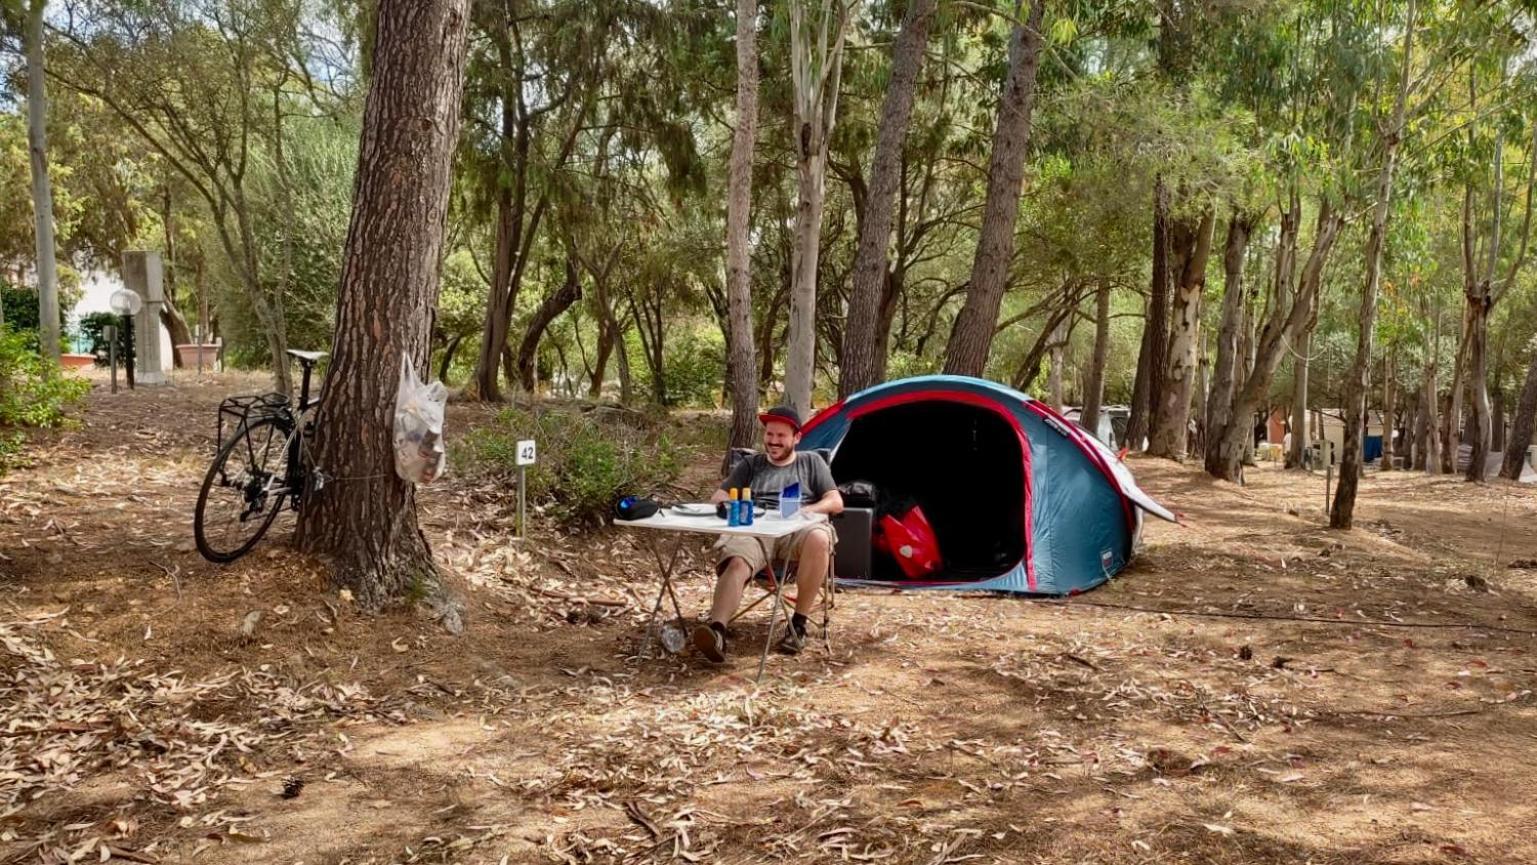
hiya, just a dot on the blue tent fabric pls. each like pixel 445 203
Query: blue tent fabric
pixel 1082 510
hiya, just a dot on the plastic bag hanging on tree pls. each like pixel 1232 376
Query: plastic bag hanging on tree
pixel 418 427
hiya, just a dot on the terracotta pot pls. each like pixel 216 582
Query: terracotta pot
pixel 189 352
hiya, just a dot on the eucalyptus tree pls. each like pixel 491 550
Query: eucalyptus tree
pixel 1391 130
pixel 205 85
pixel 739 333
pixel 818 33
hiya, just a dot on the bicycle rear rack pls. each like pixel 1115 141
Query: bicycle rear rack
pixel 238 411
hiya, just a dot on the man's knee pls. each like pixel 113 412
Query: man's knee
pixel 734 565
pixel 815 543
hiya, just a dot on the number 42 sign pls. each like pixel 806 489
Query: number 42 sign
pixel 525 455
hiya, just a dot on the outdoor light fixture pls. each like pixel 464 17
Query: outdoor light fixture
pixel 125 302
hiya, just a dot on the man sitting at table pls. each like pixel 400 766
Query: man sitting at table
pixel 739 558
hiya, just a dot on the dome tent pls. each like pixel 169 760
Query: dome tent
pixel 1021 499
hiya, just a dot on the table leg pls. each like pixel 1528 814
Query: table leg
pixel 668 566
pixel 779 587
pixel 666 589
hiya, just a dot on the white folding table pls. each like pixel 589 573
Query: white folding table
pixel 766 529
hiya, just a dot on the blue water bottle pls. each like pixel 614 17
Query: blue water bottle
pixel 746 504
pixel 733 514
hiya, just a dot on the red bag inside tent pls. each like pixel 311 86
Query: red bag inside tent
pixel 910 540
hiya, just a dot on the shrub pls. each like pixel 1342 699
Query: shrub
pixel 33 393
pixel 586 461
pixel 93 329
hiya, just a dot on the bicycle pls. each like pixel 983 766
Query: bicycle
pixel 259 471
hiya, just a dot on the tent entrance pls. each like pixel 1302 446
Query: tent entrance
pixel 962 464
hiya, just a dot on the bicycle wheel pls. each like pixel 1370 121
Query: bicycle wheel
pixel 243 492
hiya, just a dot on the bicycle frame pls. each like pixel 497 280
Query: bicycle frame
pixel 240 411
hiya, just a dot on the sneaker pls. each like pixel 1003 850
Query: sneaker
pixel 710 643
pixel 793 641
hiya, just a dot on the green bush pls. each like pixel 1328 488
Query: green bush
pixel 32 393
pixel 585 461
pixel 93 329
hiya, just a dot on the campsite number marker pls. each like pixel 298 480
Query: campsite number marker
pixel 524 457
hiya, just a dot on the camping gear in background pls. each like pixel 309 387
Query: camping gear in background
pixel 418 427
pixel 1020 499
pixel 909 539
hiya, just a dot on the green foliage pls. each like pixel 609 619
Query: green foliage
pixel 93 329
pixel 695 368
pixel 33 393
pixel 19 305
pixel 301 207
pixel 587 460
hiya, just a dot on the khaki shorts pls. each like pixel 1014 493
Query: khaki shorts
pixel 750 550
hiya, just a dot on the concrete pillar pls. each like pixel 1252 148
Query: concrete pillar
pixel 142 273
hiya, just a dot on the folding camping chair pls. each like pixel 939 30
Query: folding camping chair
pixel 773 585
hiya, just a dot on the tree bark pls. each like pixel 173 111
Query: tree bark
pixel 42 191
pixel 1058 360
pixel 862 339
pixel 1220 401
pixel 503 296
pixel 1497 417
pixel 740 373
pixel 364 522
pixel 1389 418
pixel 816 70
pixel 971 337
pixel 550 308
pixel 1342 514
pixel 1094 388
pixel 1172 418
pixel 1300 439
pixel 1522 422
pixel 1155 328
pixel 1282 328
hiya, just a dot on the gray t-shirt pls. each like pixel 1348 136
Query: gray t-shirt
pixel 767 480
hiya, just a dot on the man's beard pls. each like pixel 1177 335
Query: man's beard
pixel 778 452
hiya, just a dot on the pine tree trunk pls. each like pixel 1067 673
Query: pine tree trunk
pixel 1094 388
pixel 971 337
pixel 861 340
pixel 742 377
pixel 1220 402
pixel 1342 515
pixel 1522 422
pixel 42 191
pixel 1171 420
pixel 1155 328
pixel 550 308
pixel 364 521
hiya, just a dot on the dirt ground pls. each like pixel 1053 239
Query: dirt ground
pixel 1255 689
